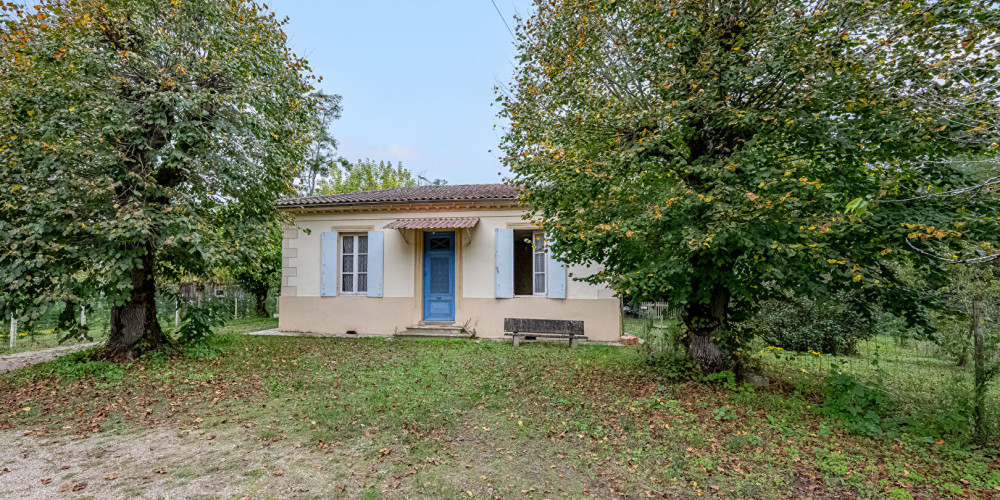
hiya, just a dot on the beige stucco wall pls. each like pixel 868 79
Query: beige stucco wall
pixel 302 308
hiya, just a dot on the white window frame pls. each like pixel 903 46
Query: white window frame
pixel 355 272
pixel 542 273
pixel 536 249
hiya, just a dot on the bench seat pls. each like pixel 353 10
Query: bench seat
pixel 517 328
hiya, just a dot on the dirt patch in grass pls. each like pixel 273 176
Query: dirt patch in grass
pixel 165 462
pixel 9 362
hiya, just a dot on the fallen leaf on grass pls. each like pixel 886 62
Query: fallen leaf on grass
pixel 46 480
pixel 110 478
pixel 79 487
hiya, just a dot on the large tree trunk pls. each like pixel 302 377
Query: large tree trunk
pixel 704 322
pixel 261 299
pixel 134 328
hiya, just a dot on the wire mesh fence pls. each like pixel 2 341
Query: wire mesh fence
pixel 936 384
pixel 225 301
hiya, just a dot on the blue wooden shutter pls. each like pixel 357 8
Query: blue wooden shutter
pixel 328 253
pixel 556 276
pixel 504 265
pixel 375 253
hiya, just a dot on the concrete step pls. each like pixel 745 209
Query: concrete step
pixel 435 331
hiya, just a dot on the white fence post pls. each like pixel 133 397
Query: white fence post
pixel 236 306
pixel 83 315
pixel 13 330
pixel 177 313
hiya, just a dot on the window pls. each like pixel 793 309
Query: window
pixel 354 264
pixel 529 263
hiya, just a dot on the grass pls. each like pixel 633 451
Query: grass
pixel 41 339
pixel 465 419
pixel 930 394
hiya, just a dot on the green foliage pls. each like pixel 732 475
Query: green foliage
pixel 724 414
pixel 70 327
pixel 196 328
pixel 701 149
pixel 126 124
pixel 672 364
pixel 861 408
pixel 81 365
pixel 322 158
pixel 366 175
pixel 253 256
pixel 828 325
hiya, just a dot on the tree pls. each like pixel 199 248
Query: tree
pixel 253 254
pixel 716 154
pixel 366 175
pixel 322 158
pixel 126 124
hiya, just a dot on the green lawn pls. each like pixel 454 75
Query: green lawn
pixel 927 391
pixel 36 339
pixel 475 419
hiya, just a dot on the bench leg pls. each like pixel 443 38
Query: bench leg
pixel 515 340
pixel 573 342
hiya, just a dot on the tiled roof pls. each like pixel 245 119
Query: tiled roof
pixel 434 223
pixel 414 194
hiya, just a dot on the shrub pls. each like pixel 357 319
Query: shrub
pixel 833 325
pixel 861 408
pixel 197 324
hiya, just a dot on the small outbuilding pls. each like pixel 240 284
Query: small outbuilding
pixel 448 261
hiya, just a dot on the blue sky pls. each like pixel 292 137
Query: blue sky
pixel 416 78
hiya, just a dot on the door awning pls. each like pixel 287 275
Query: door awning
pixel 434 223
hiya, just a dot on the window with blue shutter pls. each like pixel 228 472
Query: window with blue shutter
pixel 376 251
pixel 328 264
pixel 504 264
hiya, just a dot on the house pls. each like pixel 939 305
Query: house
pixel 429 260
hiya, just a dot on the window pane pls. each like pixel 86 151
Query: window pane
pixel 348 281
pixel 539 241
pixel 539 283
pixel 362 282
pixel 348 244
pixel 348 264
pixel 539 262
pixel 363 244
pixel 440 274
pixel 363 263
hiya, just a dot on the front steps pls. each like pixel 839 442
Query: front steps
pixel 434 330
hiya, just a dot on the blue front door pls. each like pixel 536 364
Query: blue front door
pixel 439 276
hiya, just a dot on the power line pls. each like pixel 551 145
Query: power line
pixel 503 19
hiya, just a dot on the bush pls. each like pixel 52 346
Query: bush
pixel 197 324
pixel 861 408
pixel 833 325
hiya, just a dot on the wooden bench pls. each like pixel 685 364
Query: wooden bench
pixel 517 328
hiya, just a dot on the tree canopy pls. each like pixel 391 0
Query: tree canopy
pixel 716 153
pixel 366 175
pixel 322 159
pixel 126 124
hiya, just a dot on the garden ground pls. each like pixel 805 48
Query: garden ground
pixel 263 417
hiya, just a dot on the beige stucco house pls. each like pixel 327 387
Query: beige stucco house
pixel 429 260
